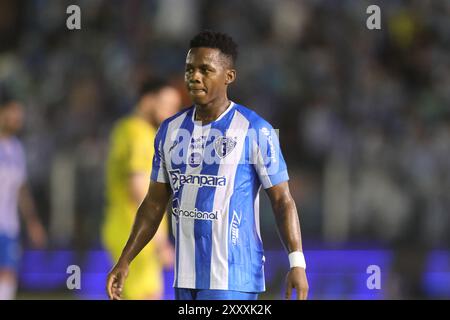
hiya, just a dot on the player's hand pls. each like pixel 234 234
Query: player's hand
pixel 296 279
pixel 116 279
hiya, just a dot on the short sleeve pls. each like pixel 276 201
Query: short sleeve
pixel 267 157
pixel 159 172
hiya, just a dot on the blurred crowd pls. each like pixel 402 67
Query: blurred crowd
pixel 364 115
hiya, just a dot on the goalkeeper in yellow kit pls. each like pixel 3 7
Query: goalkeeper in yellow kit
pixel 127 179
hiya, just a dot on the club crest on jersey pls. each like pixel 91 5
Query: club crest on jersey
pixel 224 145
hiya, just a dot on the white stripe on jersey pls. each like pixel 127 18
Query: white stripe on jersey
pixel 260 167
pixel 256 208
pixel 257 222
pixel 162 173
pixel 186 255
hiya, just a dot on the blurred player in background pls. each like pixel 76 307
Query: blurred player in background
pixel 129 166
pixel 15 196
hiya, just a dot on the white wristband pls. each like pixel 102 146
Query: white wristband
pixel 297 259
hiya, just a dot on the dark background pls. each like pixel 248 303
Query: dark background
pixel 363 117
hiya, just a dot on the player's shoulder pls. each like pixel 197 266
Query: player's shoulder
pixel 123 123
pixel 130 125
pixel 255 120
pixel 16 146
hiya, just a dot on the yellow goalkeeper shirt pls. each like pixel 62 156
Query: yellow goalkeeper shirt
pixel 130 151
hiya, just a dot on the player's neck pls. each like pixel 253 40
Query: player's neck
pixel 210 112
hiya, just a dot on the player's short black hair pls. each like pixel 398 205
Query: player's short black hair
pixel 6 97
pixel 216 40
pixel 152 85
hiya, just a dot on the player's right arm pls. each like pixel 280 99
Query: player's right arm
pixel 147 221
pixel 138 186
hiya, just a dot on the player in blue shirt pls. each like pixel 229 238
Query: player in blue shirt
pixel 212 159
pixel 15 196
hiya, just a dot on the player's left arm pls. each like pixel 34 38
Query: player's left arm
pixel 288 224
pixel 27 208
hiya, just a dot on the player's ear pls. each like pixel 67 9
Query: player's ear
pixel 230 76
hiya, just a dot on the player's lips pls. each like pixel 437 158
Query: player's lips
pixel 197 91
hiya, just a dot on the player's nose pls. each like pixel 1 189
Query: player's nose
pixel 195 77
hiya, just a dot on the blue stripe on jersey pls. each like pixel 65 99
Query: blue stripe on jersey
pixel 158 146
pixel 238 254
pixel 205 202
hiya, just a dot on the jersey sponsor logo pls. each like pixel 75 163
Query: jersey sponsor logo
pixel 196 214
pixel 224 145
pixel 234 229
pixel 202 180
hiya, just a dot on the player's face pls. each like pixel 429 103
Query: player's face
pixel 11 118
pixel 207 75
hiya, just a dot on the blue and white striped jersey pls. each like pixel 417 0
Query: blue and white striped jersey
pixel 216 172
pixel 12 177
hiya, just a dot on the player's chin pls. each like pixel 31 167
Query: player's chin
pixel 200 99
